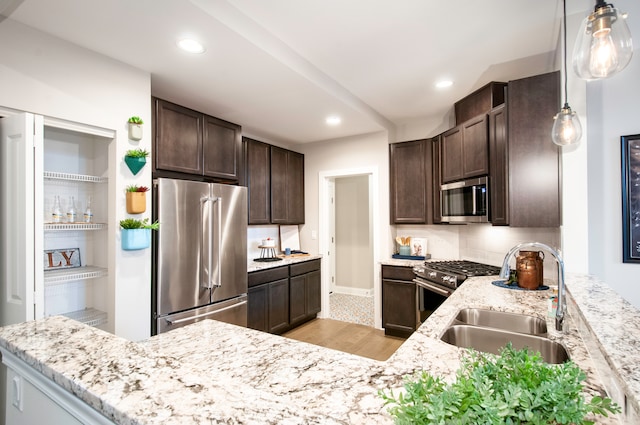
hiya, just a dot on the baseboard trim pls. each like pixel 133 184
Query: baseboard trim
pixel 347 290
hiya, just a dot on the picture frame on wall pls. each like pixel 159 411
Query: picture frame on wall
pixel 630 149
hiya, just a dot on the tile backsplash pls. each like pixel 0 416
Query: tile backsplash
pixel 483 243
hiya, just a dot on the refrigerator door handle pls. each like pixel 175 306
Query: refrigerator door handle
pixel 209 313
pixel 217 278
pixel 206 240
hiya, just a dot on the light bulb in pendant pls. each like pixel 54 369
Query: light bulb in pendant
pixel 604 58
pixel 604 46
pixel 566 127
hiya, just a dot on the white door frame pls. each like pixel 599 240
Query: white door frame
pixel 324 179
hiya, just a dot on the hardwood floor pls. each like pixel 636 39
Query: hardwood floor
pixel 348 337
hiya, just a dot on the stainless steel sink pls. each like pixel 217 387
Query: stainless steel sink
pixel 491 340
pixel 512 322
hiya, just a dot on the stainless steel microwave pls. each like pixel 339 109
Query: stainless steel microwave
pixel 465 201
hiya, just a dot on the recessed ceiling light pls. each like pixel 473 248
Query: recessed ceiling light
pixel 190 45
pixel 444 84
pixel 333 120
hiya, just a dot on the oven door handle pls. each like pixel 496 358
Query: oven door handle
pixel 433 288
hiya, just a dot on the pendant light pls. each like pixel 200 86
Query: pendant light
pixel 566 126
pixel 603 46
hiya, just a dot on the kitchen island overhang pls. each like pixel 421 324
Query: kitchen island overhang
pixel 213 372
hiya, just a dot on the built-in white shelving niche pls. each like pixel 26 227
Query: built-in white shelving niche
pixel 75 164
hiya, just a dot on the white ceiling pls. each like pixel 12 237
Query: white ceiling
pixel 279 67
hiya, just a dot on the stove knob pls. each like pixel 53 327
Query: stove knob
pixel 446 278
pixel 433 274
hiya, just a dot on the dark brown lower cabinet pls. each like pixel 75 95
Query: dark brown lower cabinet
pixel 282 298
pixel 279 306
pixel 268 300
pixel 304 291
pixel 399 307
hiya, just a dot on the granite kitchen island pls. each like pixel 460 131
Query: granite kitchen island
pixel 212 372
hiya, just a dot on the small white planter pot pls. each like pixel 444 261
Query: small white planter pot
pixel 135 131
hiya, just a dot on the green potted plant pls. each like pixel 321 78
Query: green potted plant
pixel 136 199
pixel 516 387
pixel 136 234
pixel 136 159
pixel 135 128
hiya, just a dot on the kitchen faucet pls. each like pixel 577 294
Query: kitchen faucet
pixel 562 302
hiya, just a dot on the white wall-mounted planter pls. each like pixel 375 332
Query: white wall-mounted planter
pixel 133 239
pixel 135 131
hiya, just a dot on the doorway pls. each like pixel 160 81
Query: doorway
pixel 347 242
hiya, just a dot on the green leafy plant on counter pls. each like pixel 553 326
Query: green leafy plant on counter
pixel 136 188
pixel 135 120
pixel 137 153
pixel 516 387
pixel 133 223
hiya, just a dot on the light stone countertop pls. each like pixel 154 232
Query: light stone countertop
pixel 212 372
pixel 255 266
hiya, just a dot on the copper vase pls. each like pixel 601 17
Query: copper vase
pixel 529 265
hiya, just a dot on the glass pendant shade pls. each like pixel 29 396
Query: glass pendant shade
pixel 603 46
pixel 566 127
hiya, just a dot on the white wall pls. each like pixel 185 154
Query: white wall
pixel 51 77
pixel 613 111
pixel 354 268
pixel 368 150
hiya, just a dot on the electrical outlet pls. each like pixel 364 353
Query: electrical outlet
pixel 314 235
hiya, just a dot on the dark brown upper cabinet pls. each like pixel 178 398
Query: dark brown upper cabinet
pixel 189 142
pixel 436 144
pixel 525 164
pixel 465 150
pixel 275 182
pixel 287 186
pixel 411 184
pixel 258 159
pixel 480 101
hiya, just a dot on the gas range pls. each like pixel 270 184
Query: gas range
pixel 451 274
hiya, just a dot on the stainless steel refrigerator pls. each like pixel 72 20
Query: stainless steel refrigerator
pixel 200 253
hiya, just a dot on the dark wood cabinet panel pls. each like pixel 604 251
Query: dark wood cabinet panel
pixel 475 148
pixel 437 178
pixel 451 159
pixel 258 308
pixel 268 306
pixel 465 150
pixel 298 299
pixel 480 101
pixel 190 142
pixel 498 164
pixel 399 307
pixel 278 306
pixel 314 293
pixel 178 138
pixel 287 186
pixel 304 291
pixel 221 146
pixel 258 163
pixel 531 194
pixel 295 189
pixel 411 190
